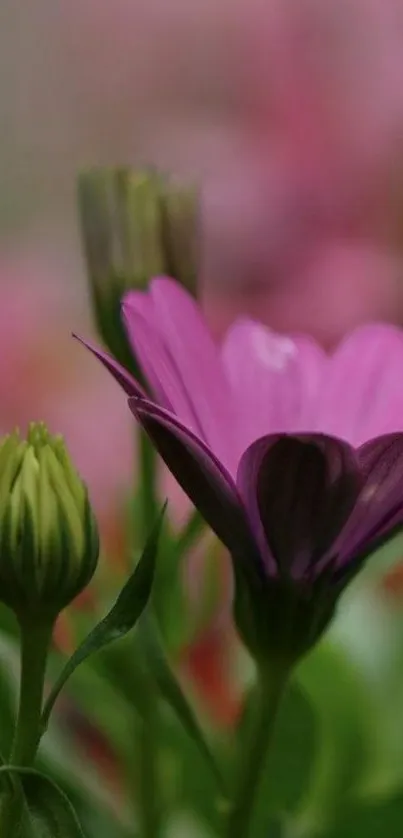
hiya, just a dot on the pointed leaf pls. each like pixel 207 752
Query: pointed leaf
pixel 172 693
pixel 49 813
pixel 120 619
pixel 13 799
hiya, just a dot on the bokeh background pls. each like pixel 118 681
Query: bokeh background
pixel 288 113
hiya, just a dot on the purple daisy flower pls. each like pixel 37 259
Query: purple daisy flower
pixel 298 471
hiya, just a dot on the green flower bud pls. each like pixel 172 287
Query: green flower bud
pixel 121 229
pixel 49 543
pixel 180 225
pixel 135 225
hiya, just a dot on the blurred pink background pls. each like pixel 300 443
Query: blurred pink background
pixel 288 112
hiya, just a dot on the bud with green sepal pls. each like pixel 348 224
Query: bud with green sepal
pixel 136 224
pixel 180 226
pixel 49 543
pixel 121 229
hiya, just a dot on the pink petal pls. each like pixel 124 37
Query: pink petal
pixel 362 392
pixel 140 302
pixel 275 379
pixel 157 364
pixel 177 332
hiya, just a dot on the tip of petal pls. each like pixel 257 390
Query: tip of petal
pixel 128 383
pixel 131 299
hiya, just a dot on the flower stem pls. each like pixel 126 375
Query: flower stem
pixel 148 780
pixel 35 642
pixel 148 486
pixel 191 532
pixel 269 690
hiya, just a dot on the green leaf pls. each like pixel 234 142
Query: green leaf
pixel 49 813
pixel 188 785
pixel 275 828
pixel 10 784
pixel 168 596
pixel 378 817
pixel 288 760
pixel 192 531
pixel 179 620
pixel 172 693
pixel 9 669
pixel 64 755
pixel 119 621
pixel 346 718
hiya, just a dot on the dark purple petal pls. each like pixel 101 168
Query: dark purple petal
pixel 121 375
pixel 379 508
pixel 200 474
pixel 299 491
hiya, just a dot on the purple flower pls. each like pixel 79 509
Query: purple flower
pixel 247 430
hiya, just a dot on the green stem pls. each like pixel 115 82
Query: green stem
pixel 190 533
pixel 148 779
pixel 35 642
pixel 252 759
pixel 148 486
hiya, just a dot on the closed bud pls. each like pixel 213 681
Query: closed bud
pixel 180 224
pixel 49 543
pixel 136 224
pixel 121 229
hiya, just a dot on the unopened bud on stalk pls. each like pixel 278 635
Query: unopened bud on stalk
pixel 121 229
pixel 180 224
pixel 49 543
pixel 135 225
